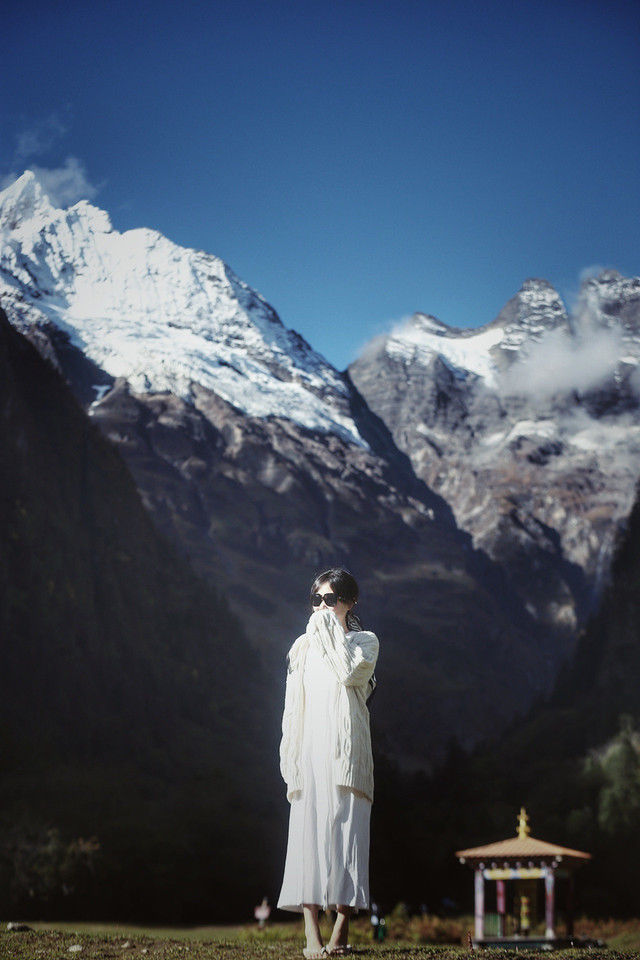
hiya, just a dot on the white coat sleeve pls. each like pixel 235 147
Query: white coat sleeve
pixel 352 659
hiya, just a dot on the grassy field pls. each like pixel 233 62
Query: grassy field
pixel 91 941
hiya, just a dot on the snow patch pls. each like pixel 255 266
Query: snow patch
pixel 415 340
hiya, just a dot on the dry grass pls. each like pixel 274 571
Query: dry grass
pixel 106 941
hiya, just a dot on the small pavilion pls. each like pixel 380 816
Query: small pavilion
pixel 524 860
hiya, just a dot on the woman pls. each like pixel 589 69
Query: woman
pixel 327 764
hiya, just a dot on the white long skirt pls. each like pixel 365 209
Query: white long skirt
pixel 327 861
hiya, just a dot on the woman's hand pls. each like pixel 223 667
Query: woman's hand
pixel 353 659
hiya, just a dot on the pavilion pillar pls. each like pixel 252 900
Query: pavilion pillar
pixel 501 904
pixel 479 903
pixel 549 896
pixel 570 896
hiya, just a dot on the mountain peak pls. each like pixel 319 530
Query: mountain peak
pixel 611 284
pixel 22 199
pixel 96 219
pixel 536 283
pixel 608 276
pixel 539 295
pixel 429 324
pixel 613 299
pixel 536 308
pixel 28 181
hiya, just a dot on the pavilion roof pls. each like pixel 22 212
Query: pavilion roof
pixel 521 848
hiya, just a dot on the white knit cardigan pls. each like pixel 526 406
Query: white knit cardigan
pixel 352 659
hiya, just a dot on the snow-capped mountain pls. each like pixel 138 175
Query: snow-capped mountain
pixel 480 352
pixel 607 312
pixel 159 315
pixel 265 465
pixel 529 427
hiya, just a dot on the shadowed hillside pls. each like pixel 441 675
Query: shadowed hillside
pixel 132 708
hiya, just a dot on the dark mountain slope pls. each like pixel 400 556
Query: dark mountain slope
pixel 131 706
pixel 260 505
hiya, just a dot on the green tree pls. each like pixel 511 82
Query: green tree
pixel 619 802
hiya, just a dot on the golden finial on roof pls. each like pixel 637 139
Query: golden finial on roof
pixel 523 824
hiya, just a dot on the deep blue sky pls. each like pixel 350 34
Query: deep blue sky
pixel 353 161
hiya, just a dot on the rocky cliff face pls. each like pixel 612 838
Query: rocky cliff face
pixel 265 465
pixel 529 427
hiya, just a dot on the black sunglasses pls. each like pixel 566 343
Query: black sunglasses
pixel 329 598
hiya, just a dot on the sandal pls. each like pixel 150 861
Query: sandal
pixel 314 954
pixel 339 951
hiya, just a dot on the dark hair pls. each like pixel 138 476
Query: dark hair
pixel 344 585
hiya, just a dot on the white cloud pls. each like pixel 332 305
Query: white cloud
pixel 42 135
pixel 594 270
pixel 65 184
pixel 378 333
pixel 562 361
